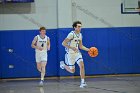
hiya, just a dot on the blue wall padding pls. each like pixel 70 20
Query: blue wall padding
pixel 23 57
pixel 119 52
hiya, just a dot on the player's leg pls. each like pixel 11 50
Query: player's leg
pixel 38 66
pixel 70 63
pixel 38 61
pixel 80 63
pixel 43 70
pixel 43 58
pixel 43 67
pixel 70 69
pixel 82 74
pixel 82 69
pixel 40 69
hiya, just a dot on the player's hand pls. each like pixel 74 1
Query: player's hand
pixel 87 49
pixel 40 48
pixel 48 49
pixel 74 49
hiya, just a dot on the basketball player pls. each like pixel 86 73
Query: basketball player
pixel 41 44
pixel 72 43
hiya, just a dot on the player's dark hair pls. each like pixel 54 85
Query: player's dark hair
pixel 42 28
pixel 75 23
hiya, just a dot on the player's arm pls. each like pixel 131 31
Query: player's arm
pixel 33 45
pixel 48 44
pixel 82 47
pixel 65 44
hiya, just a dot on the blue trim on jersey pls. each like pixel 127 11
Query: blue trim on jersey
pixel 69 65
pixel 75 61
pixel 67 49
pixel 41 37
pixel 78 59
pixel 77 35
pixel 69 45
pixel 67 61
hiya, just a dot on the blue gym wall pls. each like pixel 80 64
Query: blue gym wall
pixel 119 50
pixel 23 57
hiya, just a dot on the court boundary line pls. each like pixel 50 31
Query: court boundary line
pixel 70 77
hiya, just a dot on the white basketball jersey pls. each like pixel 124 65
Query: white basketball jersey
pixel 42 42
pixel 74 41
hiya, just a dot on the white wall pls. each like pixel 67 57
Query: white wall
pixel 61 14
pixel 64 13
pixel 99 13
pixel 28 16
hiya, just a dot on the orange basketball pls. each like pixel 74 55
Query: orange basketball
pixel 93 52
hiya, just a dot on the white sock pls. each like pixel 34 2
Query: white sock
pixel 42 79
pixel 42 76
pixel 82 80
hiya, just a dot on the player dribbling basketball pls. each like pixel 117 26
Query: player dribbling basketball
pixel 72 43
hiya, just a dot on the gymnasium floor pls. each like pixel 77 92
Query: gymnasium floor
pixel 115 84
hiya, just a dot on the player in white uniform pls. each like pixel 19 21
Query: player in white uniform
pixel 72 43
pixel 41 44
